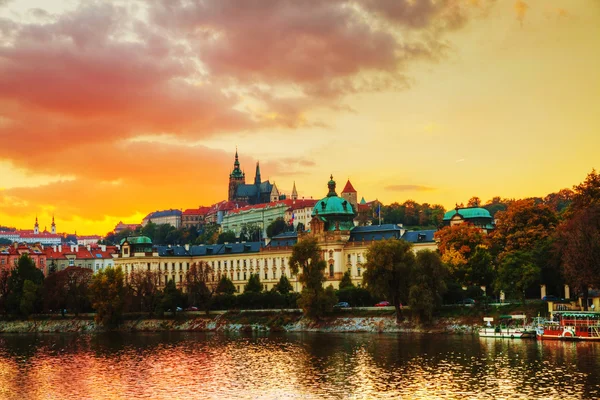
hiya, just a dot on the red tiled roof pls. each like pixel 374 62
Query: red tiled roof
pixel 196 211
pixel 348 188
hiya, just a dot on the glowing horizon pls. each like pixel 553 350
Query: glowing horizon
pixel 109 111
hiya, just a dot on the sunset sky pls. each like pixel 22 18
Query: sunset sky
pixel 110 110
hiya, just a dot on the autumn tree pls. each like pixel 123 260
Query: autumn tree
pixel 107 294
pixel 457 244
pixel 579 248
pixel 201 284
pixel 427 284
pixel 388 269
pixel 587 193
pixel 306 262
pixel 474 202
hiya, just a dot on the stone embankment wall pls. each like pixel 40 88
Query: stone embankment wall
pixel 241 322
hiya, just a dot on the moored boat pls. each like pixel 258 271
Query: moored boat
pixel 509 326
pixel 571 325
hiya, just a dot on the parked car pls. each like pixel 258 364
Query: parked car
pixel 342 304
pixel 467 302
pixel 192 308
pixel 383 304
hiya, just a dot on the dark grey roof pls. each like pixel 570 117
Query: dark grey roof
pixel 207 250
pixel 375 232
pixel 419 236
pixel 284 239
pixel 246 190
pixel 164 213
pixel 266 187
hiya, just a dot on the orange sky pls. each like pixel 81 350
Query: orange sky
pixel 110 110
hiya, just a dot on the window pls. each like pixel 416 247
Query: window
pixel 245 278
pixel 71 262
pixel 358 258
pixel 238 276
pixel 331 270
pixel 349 258
pixel 266 275
pixel 148 266
pixel 358 270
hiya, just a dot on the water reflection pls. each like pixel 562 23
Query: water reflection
pixel 310 366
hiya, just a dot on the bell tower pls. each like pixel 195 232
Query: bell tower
pixel 53 227
pixel 236 177
pixel 36 227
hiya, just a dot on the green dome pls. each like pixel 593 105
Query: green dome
pixel 467 213
pixel 332 205
pixel 137 240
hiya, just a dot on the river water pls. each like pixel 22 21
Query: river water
pixel 294 366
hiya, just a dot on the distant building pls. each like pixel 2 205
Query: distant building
pixel 194 217
pixel 9 255
pixel 34 236
pixel 254 193
pixel 217 211
pixel 476 216
pixel 120 227
pixel 90 239
pixel 170 217
pixel 94 257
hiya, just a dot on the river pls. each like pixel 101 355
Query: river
pixel 180 365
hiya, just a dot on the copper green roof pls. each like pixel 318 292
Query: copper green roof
pixel 137 240
pixel 333 205
pixel 467 213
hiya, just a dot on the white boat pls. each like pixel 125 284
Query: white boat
pixel 508 326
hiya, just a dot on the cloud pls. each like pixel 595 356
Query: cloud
pixel 409 188
pixel 521 9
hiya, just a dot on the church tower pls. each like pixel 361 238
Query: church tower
pixel 236 177
pixel 53 227
pixel 274 193
pixel 349 193
pixel 36 227
pixel 257 175
pixel 294 192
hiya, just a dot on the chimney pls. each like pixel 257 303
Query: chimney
pixel 54 248
pixel 103 247
pixel 74 248
pixel 89 247
pixel 60 248
pixel 187 247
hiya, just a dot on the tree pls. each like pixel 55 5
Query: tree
pixel 253 284
pixel 578 245
pixel 522 226
pixel 200 284
pixel 250 232
pixel 107 294
pixel 427 284
pixel 388 268
pixel 457 244
pixel 346 281
pixel 144 288
pixel 171 299
pixel 283 286
pixel 306 262
pixel 480 268
pixel 4 288
pixel 25 271
pixel 276 227
pixel 28 298
pixel 209 233
pixel 226 237
pixel 588 192
pixel 516 273
pixel 300 227
pixel 225 286
pixel 474 202
pixel 76 281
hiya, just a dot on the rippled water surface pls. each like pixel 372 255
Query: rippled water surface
pixel 293 366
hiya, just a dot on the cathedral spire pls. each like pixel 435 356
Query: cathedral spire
pixel 53 226
pixel 257 179
pixel 294 192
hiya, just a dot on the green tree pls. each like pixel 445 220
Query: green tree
pixel 346 281
pixel 226 237
pixel 209 233
pixel 388 268
pixel 480 268
pixel 276 227
pixel 201 285
pixel 172 298
pixel 225 286
pixel 283 286
pixel 516 273
pixel 306 262
pixel 250 232
pixel 107 294
pixel 28 298
pixel 4 288
pixel 427 284
pixel 253 284
pixel 25 271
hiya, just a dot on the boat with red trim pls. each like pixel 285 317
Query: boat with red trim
pixel 570 325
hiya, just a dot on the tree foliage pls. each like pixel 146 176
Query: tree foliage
pixel 388 268
pixel 253 284
pixel 457 244
pixel 306 262
pixel 225 286
pixel 226 237
pixel 276 227
pixel 346 281
pixel 145 290
pixel 25 270
pixel 250 232
pixel 516 273
pixel 411 213
pixel 427 284
pixel 201 284
pixel 283 286
pixel 107 294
